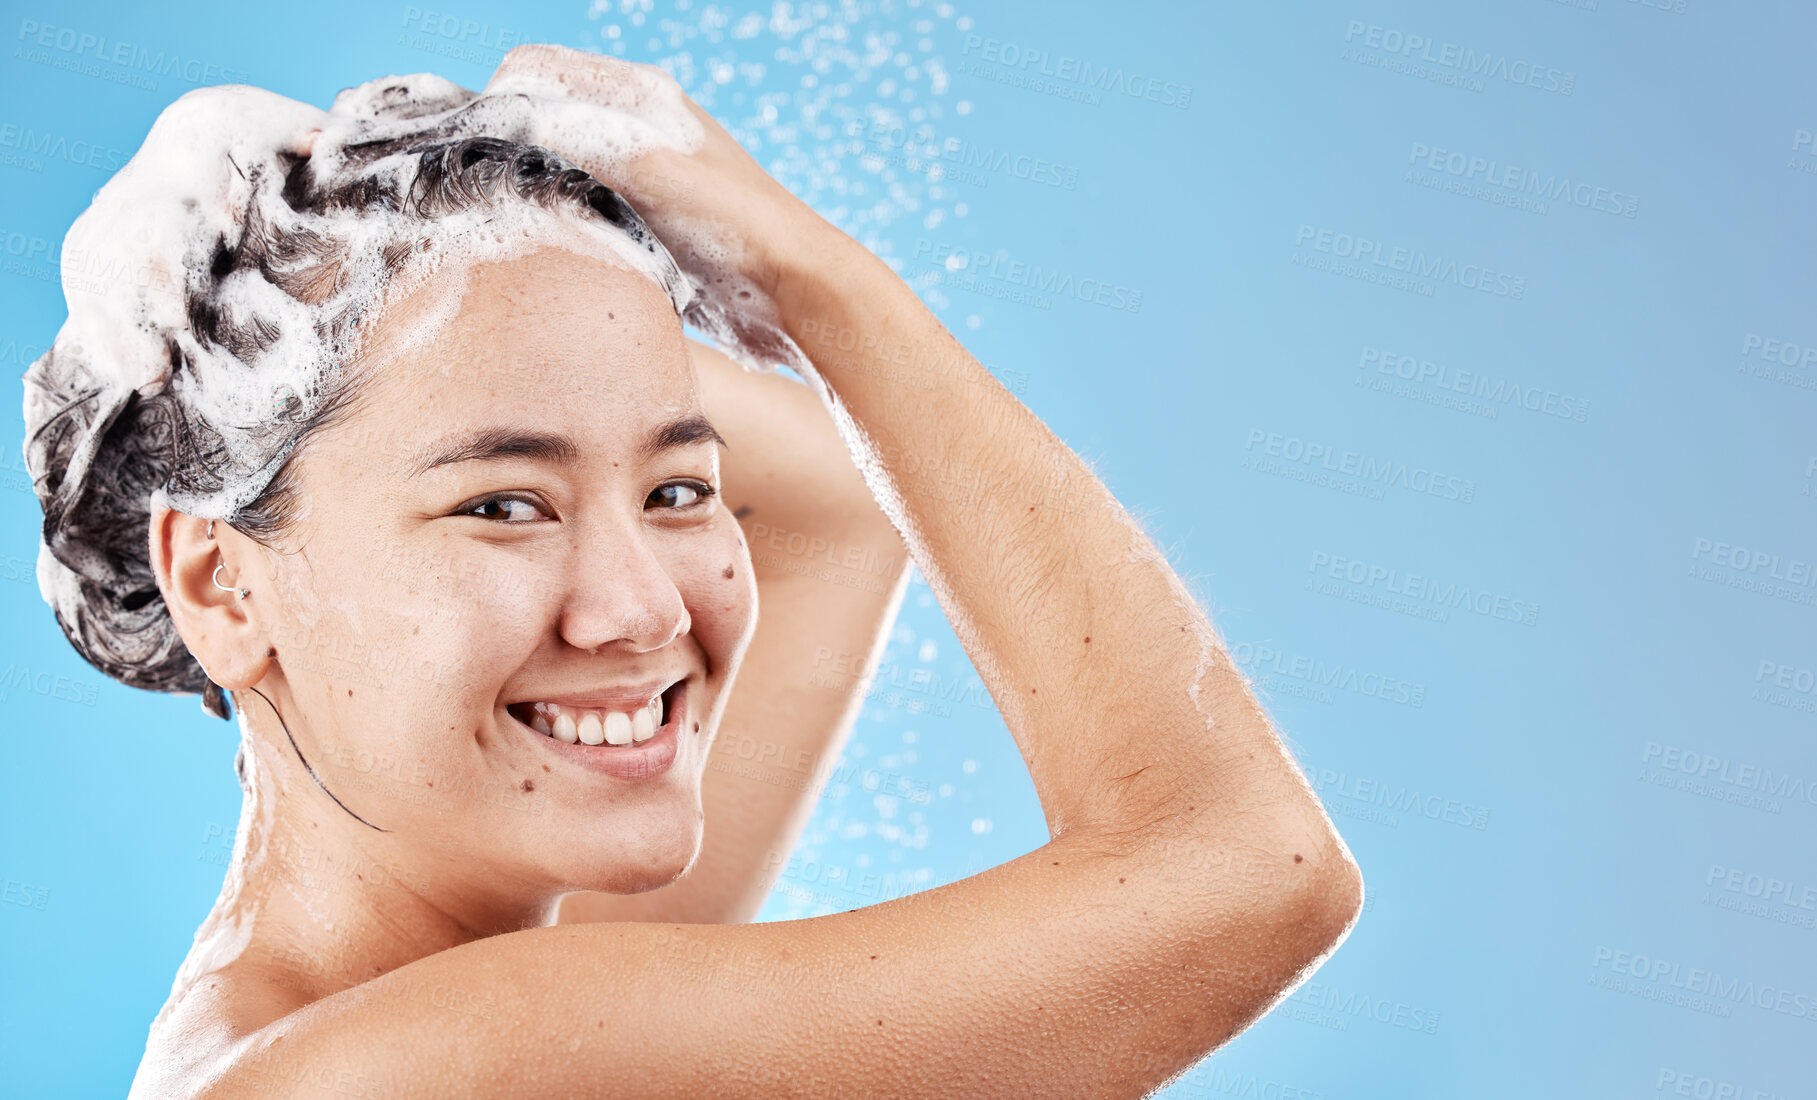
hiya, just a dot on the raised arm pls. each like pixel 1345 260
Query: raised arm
pixel 1192 879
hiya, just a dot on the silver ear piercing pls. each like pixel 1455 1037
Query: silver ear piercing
pixel 243 593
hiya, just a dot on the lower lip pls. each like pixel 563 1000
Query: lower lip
pixel 640 760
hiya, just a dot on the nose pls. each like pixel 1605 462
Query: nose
pixel 620 593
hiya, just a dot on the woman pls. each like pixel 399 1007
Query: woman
pixel 433 492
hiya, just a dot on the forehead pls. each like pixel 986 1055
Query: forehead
pixel 561 339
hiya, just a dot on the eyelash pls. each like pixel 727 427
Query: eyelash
pixel 704 491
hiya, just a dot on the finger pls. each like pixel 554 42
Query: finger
pixel 558 72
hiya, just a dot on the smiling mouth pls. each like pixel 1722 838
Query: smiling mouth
pixel 601 727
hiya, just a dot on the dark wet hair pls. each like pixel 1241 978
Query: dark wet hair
pixel 97 455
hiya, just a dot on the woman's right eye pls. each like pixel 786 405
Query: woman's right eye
pixel 505 510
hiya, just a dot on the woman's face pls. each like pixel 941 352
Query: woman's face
pixel 517 512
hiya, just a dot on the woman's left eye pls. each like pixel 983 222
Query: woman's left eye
pixel 505 509
pixel 680 495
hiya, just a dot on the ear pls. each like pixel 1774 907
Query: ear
pixel 220 628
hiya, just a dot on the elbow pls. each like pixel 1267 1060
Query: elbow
pixel 1342 898
pixel 1277 947
pixel 1328 905
pixel 1325 898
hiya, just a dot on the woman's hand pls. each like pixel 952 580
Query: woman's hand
pixel 632 127
pixel 1192 879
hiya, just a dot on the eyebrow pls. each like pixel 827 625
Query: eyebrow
pixel 683 431
pixel 488 444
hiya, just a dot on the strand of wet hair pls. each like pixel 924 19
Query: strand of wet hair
pixel 306 767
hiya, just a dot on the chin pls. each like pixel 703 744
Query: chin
pixel 665 852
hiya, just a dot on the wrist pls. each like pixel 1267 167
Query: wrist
pixel 814 266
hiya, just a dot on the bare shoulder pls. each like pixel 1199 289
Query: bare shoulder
pixel 931 995
pixel 197 1037
pixel 568 1010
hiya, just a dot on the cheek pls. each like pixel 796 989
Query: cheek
pixel 401 636
pixel 714 576
pixel 461 623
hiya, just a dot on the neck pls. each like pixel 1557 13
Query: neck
pixel 315 901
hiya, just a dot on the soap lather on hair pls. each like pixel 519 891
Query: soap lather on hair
pixel 261 232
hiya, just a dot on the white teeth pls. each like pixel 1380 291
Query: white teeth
pixel 598 727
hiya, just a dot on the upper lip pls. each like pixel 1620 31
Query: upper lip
pixel 619 697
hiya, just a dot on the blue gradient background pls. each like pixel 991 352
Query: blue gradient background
pixel 1496 943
